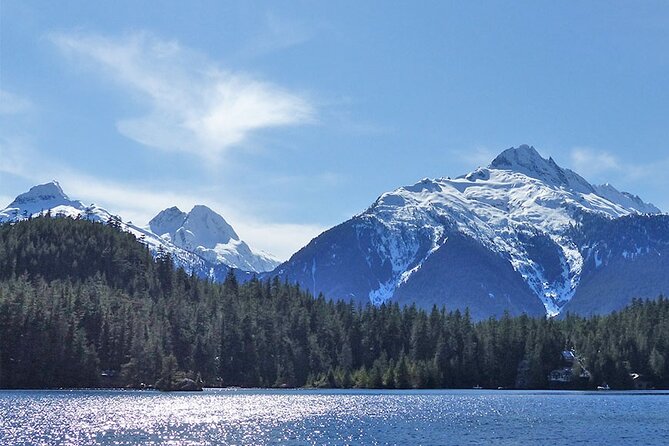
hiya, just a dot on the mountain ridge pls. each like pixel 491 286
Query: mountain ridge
pixel 519 236
pixel 207 249
pixel 520 208
pixel 207 234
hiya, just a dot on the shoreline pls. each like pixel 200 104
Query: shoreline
pixel 344 390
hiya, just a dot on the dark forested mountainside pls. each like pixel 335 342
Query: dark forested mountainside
pixel 623 258
pixel 84 304
pixel 76 250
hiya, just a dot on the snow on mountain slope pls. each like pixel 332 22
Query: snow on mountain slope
pixel 43 197
pixel 520 207
pixel 50 199
pixel 505 237
pixel 629 201
pixel 204 242
pixel 207 234
pixel 167 221
pixel 520 194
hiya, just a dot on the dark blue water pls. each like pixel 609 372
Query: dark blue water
pixel 101 417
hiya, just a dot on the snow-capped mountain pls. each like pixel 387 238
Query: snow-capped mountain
pixel 522 235
pixel 499 238
pixel 41 198
pixel 50 199
pixel 200 241
pixel 207 234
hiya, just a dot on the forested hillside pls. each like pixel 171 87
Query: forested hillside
pixel 84 304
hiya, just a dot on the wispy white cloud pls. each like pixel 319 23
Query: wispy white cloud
pixel 12 104
pixel 590 162
pixel 601 166
pixel 278 33
pixel 280 239
pixel 141 202
pixel 14 159
pixel 476 157
pixel 5 200
pixel 193 104
pixel 138 202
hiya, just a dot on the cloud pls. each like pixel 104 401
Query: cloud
pixel 5 200
pixel 139 202
pixel 478 156
pixel 14 160
pixel 193 105
pixel 278 33
pixel 592 163
pixel 645 178
pixel 11 104
pixel 280 239
pixel 601 165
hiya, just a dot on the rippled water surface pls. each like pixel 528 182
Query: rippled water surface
pixel 109 417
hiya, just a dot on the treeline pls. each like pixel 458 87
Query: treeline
pixel 83 304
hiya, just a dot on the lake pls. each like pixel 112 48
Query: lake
pixel 262 416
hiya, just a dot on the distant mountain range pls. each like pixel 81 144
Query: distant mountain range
pixel 201 241
pixel 523 235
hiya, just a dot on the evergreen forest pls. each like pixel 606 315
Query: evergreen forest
pixel 85 304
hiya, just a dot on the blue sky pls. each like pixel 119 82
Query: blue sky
pixel 290 117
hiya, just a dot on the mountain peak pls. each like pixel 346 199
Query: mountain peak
pixel 522 158
pixel 198 239
pixel 41 198
pixel 205 233
pixel 526 160
pixel 167 221
pixel 212 227
pixel 201 226
pixel 48 192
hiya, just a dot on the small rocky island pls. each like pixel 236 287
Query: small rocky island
pixel 173 380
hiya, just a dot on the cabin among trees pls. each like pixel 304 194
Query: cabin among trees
pixel 571 374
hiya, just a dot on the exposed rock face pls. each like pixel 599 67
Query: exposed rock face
pixel 515 236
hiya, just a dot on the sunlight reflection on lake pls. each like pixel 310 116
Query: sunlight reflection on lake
pixel 257 416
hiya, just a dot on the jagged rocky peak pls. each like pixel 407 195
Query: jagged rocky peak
pixel 431 242
pixel 523 157
pixel 48 192
pixel 626 199
pixel 199 227
pixel 206 234
pixel 526 160
pixel 210 227
pixel 167 221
